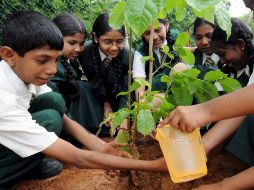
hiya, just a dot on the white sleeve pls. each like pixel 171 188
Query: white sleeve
pixel 138 69
pixel 18 131
pixel 42 89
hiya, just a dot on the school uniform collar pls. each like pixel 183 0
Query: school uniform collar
pixel 214 57
pixel 102 55
pixel 156 50
pixel 245 70
pixel 19 84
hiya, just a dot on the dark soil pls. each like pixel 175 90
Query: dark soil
pixel 71 178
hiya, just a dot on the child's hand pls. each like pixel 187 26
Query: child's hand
pixel 111 148
pixel 187 118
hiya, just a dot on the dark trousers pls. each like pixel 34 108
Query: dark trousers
pixel 47 109
pixel 242 143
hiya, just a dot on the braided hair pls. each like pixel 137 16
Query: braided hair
pixel 101 27
pixel 69 25
pixel 238 31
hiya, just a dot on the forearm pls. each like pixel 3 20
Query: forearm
pixel 243 180
pixel 66 152
pixel 220 132
pixel 80 134
pixel 231 105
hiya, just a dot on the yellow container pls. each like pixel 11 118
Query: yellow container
pixel 184 153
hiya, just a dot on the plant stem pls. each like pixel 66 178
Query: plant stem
pixel 150 79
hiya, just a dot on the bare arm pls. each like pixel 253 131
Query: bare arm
pixel 79 133
pixel 66 152
pixel 235 104
pixel 220 132
pixel 243 180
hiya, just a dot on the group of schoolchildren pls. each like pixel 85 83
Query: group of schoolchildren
pixel 58 88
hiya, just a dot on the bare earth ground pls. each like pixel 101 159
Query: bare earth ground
pixel 224 165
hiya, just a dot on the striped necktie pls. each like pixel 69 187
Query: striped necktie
pixel 209 61
pixel 106 62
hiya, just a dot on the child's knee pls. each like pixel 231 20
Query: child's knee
pixel 53 121
pixel 57 102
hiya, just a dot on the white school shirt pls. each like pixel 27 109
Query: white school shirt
pixel 18 131
pixel 138 68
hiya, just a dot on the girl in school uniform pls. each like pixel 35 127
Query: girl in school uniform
pixel 70 80
pixel 236 53
pixel 105 63
pixel 205 59
pixel 161 37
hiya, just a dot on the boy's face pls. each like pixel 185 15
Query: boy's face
pixel 159 35
pixel 36 66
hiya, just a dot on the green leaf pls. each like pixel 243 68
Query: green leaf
pixel 122 94
pixel 206 91
pixel 166 78
pixel 165 49
pixel 192 87
pixel 165 106
pixel 223 17
pixel 116 17
pixel 170 5
pixel 123 137
pixel 182 39
pixel 180 9
pixel 192 72
pixel 186 56
pixel 140 13
pixel 145 122
pixel 214 75
pixel 146 58
pixel 229 84
pixel 181 95
pixel 118 118
pixel 200 5
pixel 135 85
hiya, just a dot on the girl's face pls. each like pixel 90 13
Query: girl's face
pixel 111 43
pixel 159 35
pixel 73 45
pixel 233 55
pixel 203 38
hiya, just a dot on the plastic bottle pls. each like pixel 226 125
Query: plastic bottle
pixel 184 153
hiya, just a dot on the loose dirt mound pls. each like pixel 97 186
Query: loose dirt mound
pixel 224 165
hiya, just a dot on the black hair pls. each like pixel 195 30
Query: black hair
pixel 238 31
pixel 69 25
pixel 100 27
pixel 199 22
pixel 26 30
pixel 170 43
